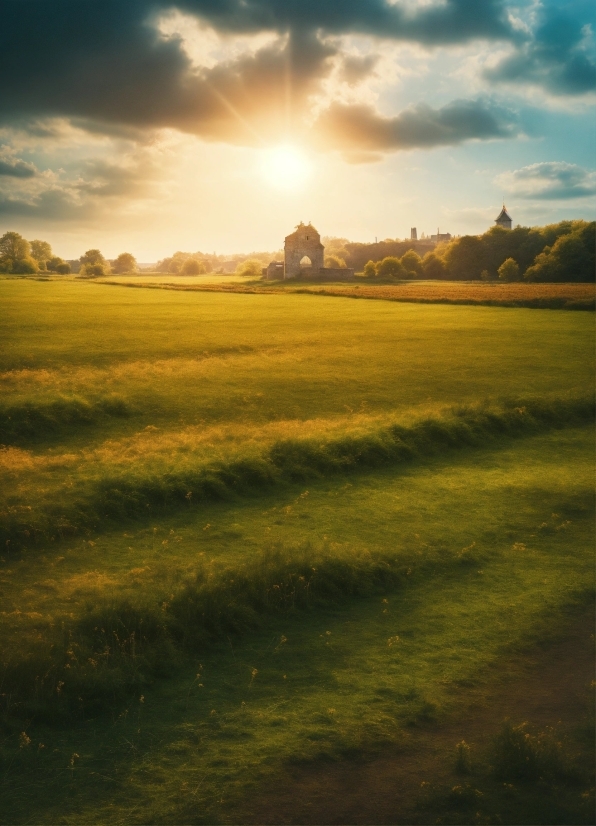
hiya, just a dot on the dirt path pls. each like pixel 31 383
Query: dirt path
pixel 550 687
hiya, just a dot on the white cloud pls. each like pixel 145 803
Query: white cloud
pixel 553 180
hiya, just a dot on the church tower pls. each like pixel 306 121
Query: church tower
pixel 503 220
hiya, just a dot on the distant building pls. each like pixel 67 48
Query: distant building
pixel 440 236
pixel 274 271
pixel 413 234
pixel 503 220
pixel 304 256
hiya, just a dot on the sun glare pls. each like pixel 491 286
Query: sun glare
pixel 285 167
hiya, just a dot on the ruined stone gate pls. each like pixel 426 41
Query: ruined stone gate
pixel 303 250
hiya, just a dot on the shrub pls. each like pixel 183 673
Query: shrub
pixel 433 267
pixel 125 263
pixel 26 266
pixel 192 266
pixel 509 270
pixel 520 755
pixel 251 268
pixel 412 263
pixel 391 267
pixel 334 262
pixel 370 269
pixel 92 257
pixel 63 268
pixel 94 270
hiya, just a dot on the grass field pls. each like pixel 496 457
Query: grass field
pixel 245 532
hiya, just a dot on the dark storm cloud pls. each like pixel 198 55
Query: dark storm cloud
pixel 109 63
pixel 553 180
pixel 360 128
pixel 17 169
pixel 557 58
pixel 110 68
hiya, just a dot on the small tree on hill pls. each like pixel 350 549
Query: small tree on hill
pixel 509 270
pixel 125 263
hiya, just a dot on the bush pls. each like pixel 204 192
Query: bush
pixel 433 266
pixel 92 257
pixel 370 269
pixel 125 263
pixel 334 262
pixel 509 270
pixel 192 266
pixel 63 268
pixel 251 268
pixel 391 267
pixel 412 263
pixel 94 270
pixel 520 755
pixel 26 266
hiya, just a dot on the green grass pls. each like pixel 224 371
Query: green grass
pixel 385 500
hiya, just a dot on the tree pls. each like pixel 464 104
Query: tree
pixel 370 269
pixel 53 263
pixel 14 246
pixel 125 263
pixel 509 270
pixel 41 250
pixel 93 270
pixel 251 268
pixel 433 266
pixel 192 266
pixel 571 257
pixel 465 258
pixel 391 267
pixel 92 257
pixel 334 262
pixel 63 268
pixel 15 254
pixel 412 263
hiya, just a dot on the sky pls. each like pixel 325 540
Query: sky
pixel 218 125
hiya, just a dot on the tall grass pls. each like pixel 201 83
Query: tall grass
pixel 134 491
pixel 120 646
pixel 44 418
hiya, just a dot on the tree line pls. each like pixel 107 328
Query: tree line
pixel 557 252
pixel 22 257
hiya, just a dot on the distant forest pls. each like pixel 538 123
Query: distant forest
pixel 557 252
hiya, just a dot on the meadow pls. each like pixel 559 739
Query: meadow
pixel 250 535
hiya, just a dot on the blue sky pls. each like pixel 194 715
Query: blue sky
pixel 219 124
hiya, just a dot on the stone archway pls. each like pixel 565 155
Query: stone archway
pixel 305 263
pixel 304 243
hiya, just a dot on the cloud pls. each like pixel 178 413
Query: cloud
pixel 360 129
pixel 113 64
pixel 84 187
pixel 17 169
pixel 553 180
pixel 559 58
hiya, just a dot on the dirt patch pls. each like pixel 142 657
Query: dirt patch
pixel 549 687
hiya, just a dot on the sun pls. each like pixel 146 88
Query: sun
pixel 285 167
